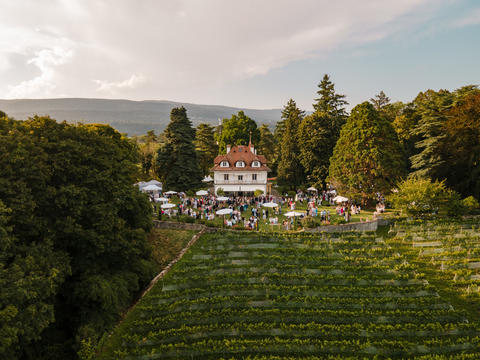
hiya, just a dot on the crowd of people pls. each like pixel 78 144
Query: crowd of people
pixel 249 212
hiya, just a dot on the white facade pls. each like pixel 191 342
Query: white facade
pixel 240 181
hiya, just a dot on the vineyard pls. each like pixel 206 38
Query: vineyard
pixel 322 296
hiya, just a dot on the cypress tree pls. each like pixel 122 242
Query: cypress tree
pixel 177 160
pixel 290 171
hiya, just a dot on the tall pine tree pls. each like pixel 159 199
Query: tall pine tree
pixel 177 161
pixel 206 146
pixel 290 171
pixel 319 132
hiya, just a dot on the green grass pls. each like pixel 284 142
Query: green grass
pixel 166 244
pixel 278 296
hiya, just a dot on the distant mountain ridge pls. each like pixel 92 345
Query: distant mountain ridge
pixel 128 116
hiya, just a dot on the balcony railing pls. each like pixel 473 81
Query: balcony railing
pixel 240 182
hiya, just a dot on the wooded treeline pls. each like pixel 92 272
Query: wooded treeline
pixel 364 152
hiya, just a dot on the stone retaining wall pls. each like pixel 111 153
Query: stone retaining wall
pixel 360 226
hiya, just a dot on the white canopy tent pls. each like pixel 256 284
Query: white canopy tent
pixel 171 192
pixel 201 192
pixel 340 199
pixel 151 188
pixel 207 179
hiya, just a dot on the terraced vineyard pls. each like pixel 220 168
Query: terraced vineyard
pixel 448 252
pixel 250 296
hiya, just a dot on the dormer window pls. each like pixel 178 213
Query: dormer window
pixel 224 164
pixel 240 164
pixel 256 163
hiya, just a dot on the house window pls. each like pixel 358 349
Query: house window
pixel 256 164
pixel 240 164
pixel 225 176
pixel 254 176
pixel 240 177
pixel 224 164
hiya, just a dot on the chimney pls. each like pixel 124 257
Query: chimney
pixel 228 149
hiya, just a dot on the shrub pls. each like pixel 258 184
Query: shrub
pixel 220 192
pixel 257 193
pixel 423 198
pixel 471 205
pixel 190 193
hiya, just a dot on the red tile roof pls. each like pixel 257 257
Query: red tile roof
pixel 243 153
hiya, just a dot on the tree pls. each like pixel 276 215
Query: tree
pixel 421 197
pixel 429 161
pixel 177 159
pixel 319 132
pixel 267 144
pixel 329 101
pixel 75 251
pixel 206 147
pixel 290 171
pixel 462 142
pixel 237 131
pixel 380 101
pixel 367 158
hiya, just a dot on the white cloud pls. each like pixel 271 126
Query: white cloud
pixel 43 85
pixel 187 49
pixel 112 87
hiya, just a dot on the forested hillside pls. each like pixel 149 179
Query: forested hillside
pixel 131 117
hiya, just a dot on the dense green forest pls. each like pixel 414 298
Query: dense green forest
pixel 72 235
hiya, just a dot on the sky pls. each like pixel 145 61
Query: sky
pixel 248 53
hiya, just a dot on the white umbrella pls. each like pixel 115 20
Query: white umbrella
pixel 202 192
pixel 311 188
pixel 171 192
pixel 207 179
pixel 224 211
pixel 270 204
pixel 168 206
pixel 222 198
pixel 293 213
pixel 340 199
pixel 161 199
pixel 151 188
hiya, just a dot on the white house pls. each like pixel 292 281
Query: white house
pixel 241 171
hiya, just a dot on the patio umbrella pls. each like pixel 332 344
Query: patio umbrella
pixel 171 192
pixel 224 211
pixel 311 188
pixel 168 206
pixel 293 213
pixel 202 192
pixel 270 204
pixel 222 198
pixel 162 199
pixel 340 199
pixel 207 179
